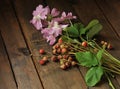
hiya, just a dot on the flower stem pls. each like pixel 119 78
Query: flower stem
pixel 110 83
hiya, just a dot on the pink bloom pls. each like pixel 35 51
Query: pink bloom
pixel 53 31
pixel 67 16
pixel 55 12
pixel 38 15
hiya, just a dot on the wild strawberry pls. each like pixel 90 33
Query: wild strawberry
pixel 54 51
pixel 60 40
pixel 63 66
pixel 68 64
pixel 58 50
pixel 109 46
pixel 64 50
pixel 84 44
pixel 105 43
pixel 42 62
pixel 73 63
pixel 102 42
pixel 70 59
pixel 42 51
pixel 45 59
pixel 65 56
pixel 59 57
pixel 54 58
pixel 57 46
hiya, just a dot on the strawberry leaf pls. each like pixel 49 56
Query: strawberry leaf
pixel 87 59
pixel 93 75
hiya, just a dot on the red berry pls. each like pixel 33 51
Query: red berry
pixel 84 44
pixel 58 50
pixel 65 56
pixel 42 62
pixel 70 58
pixel 45 59
pixel 109 46
pixel 59 57
pixel 41 51
pixel 64 50
pixel 60 40
pixel 73 63
pixel 54 58
pixel 54 51
pixel 68 64
pixel 63 66
pixel 102 42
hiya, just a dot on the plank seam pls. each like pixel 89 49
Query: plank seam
pixel 21 29
pixel 14 77
pixel 110 24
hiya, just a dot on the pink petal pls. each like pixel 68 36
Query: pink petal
pixel 55 12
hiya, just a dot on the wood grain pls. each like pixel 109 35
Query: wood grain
pixel 23 67
pixel 111 10
pixel 7 80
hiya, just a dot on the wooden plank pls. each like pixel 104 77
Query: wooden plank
pixel 7 80
pixel 23 67
pixel 51 75
pixel 111 9
pixel 88 10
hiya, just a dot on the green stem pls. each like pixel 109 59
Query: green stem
pixel 110 83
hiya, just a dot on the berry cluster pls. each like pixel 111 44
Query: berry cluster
pixel 61 54
pixel 107 45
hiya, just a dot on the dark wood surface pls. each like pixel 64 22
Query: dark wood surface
pixel 19 70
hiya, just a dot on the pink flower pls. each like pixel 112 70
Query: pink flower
pixel 67 16
pixel 39 15
pixel 53 31
pixel 53 14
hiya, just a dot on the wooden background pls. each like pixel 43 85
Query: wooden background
pixel 18 70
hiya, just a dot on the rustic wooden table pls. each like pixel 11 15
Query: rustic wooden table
pixel 18 70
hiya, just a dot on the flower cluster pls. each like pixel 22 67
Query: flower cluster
pixel 50 22
pixel 76 45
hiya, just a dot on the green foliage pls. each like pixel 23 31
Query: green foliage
pixel 78 30
pixel 72 31
pixel 91 60
pixel 87 59
pixel 99 54
pixel 94 30
pixel 89 26
pixel 93 75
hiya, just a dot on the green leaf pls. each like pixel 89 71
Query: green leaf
pixel 99 54
pixel 78 25
pixel 90 25
pixel 87 59
pixel 93 75
pixel 72 31
pixel 94 30
pixel 66 39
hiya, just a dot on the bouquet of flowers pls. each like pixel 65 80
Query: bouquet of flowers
pixel 74 44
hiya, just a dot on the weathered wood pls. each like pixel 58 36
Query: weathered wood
pixel 23 67
pixel 88 10
pixel 6 75
pixel 111 10
pixel 51 75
